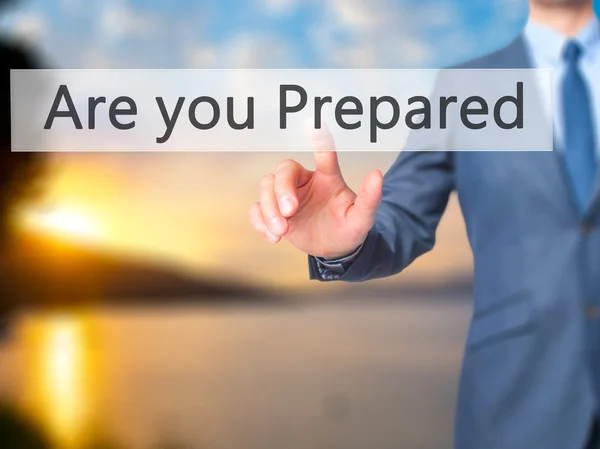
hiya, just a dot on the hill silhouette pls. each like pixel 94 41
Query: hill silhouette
pixel 38 271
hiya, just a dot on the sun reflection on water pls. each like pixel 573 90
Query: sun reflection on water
pixel 60 393
pixel 63 354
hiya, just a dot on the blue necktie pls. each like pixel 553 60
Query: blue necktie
pixel 579 154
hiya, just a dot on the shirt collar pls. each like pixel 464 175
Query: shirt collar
pixel 548 44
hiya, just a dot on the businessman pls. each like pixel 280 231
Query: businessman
pixel 531 370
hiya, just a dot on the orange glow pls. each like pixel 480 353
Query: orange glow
pixel 65 222
pixel 59 390
pixel 190 210
pixel 62 376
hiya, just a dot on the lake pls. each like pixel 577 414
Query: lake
pixel 330 375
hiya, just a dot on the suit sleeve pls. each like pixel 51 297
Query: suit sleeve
pixel 415 195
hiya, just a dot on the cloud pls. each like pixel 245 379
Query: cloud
pixel 278 7
pixel 95 58
pixel 328 33
pixel 370 34
pixel 362 14
pixel 409 33
pixel 200 56
pixel 122 21
pixel 29 26
pixel 241 51
pixel 255 51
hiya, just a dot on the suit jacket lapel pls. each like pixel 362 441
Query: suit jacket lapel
pixel 520 59
pixel 594 208
pixel 551 165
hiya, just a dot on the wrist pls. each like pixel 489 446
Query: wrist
pixel 341 256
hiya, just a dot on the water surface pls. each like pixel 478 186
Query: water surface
pixel 338 375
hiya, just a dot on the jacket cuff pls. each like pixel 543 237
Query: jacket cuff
pixel 331 269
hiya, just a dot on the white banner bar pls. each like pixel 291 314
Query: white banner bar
pixel 274 110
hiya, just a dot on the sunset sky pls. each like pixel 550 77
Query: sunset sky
pixel 191 209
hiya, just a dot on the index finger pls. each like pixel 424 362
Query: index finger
pixel 323 144
pixel 289 176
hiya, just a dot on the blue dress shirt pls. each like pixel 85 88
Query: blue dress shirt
pixel 546 47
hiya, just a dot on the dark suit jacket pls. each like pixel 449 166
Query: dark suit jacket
pixel 527 380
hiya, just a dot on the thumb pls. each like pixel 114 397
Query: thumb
pixel 326 159
pixel 367 200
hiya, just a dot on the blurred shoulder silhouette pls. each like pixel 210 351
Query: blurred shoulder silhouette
pixel 18 431
pixel 19 172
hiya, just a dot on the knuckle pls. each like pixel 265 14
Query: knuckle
pixel 286 164
pixel 267 181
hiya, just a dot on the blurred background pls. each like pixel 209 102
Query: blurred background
pixel 140 310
